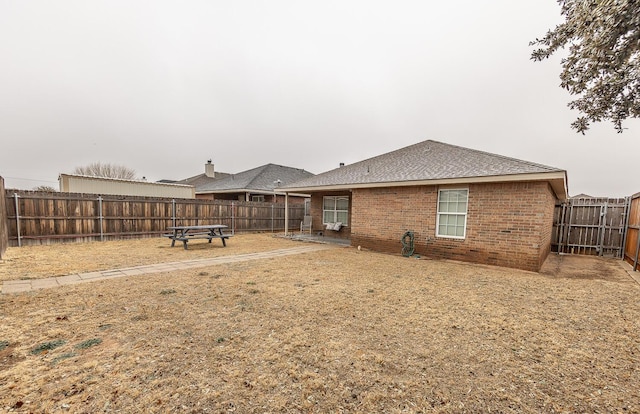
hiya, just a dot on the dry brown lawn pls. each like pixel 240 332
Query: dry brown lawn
pixel 334 331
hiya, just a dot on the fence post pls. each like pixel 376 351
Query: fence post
pixel 173 212
pixel 100 218
pixel 272 217
pixel 602 225
pixel 15 197
pixel 561 227
pixel 233 217
pixel 635 260
pixel 625 225
pixel 286 214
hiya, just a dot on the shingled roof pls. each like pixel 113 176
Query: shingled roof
pixel 265 178
pixel 432 163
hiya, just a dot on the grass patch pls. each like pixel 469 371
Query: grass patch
pixel 167 291
pixel 47 346
pixel 3 345
pixel 63 357
pixel 88 343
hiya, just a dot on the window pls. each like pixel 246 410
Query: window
pixel 257 198
pixel 335 209
pixel 452 213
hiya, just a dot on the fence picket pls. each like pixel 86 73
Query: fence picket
pixel 46 218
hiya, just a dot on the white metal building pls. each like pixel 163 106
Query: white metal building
pixel 70 183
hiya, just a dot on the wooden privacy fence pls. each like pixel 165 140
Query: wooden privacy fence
pixel 632 243
pixel 592 226
pixel 44 218
pixel 4 234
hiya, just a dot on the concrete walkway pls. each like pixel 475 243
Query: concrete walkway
pixel 18 286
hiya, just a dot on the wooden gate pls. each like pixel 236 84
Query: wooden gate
pixel 632 243
pixel 591 226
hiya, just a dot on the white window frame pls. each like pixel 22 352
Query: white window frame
pixel 335 209
pixel 258 198
pixel 440 214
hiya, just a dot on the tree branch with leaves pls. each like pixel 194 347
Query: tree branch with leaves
pixel 603 65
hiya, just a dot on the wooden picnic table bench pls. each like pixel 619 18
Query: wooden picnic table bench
pixel 186 233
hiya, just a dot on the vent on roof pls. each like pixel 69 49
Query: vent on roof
pixel 341 164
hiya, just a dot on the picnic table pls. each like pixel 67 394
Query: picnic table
pixel 186 233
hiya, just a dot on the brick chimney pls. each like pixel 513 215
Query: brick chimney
pixel 209 171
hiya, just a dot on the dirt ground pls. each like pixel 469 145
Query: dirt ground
pixel 333 331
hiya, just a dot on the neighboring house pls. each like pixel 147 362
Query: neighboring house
pixel 72 183
pixel 258 184
pixel 210 175
pixel 460 204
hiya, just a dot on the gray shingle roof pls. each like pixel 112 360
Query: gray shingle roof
pixel 262 178
pixel 202 179
pixel 427 160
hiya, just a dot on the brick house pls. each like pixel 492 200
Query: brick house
pixel 261 184
pixel 460 204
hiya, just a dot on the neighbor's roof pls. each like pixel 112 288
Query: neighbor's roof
pixel 432 163
pixel 202 179
pixel 260 179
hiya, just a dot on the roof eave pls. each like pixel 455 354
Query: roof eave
pixel 557 180
pixel 253 191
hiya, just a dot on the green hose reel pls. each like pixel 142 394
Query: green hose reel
pixel 407 244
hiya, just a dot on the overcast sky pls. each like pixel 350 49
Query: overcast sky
pixel 163 86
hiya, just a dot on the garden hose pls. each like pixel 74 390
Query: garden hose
pixel 407 244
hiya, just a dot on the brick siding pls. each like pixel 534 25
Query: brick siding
pixel 316 213
pixel 508 224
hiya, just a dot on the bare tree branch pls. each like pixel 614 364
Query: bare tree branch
pixel 98 169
